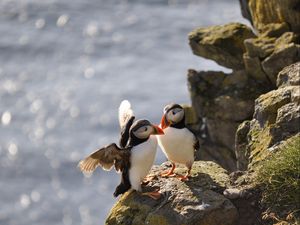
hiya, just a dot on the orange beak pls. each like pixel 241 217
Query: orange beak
pixel 158 130
pixel 164 122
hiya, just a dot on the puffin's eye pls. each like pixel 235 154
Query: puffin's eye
pixel 145 129
pixel 173 112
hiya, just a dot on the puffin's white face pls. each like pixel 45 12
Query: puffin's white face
pixel 142 129
pixel 175 115
pixel 144 132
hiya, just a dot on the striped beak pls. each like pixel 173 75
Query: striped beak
pixel 164 122
pixel 157 130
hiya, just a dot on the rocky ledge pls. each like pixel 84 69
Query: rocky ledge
pixel 197 201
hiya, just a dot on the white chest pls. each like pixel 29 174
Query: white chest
pixel 142 159
pixel 177 144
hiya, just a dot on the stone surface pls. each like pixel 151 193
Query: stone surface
pixel 265 56
pixel 276 118
pixel 290 75
pixel 260 47
pixel 216 153
pixel 274 29
pixel 281 57
pixel 254 69
pixel 222 101
pixel 198 201
pixel 241 141
pixel 221 131
pixel 223 44
pixel 266 105
pixel 276 11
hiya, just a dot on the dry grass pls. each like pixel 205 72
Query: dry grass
pixel 279 177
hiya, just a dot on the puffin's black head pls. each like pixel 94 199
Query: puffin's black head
pixel 141 130
pixel 173 116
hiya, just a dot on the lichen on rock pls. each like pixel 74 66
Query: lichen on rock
pixel 223 44
pixel 275 11
pixel 198 201
pixel 276 118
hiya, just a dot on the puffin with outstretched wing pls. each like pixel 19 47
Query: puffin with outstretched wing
pixel 135 156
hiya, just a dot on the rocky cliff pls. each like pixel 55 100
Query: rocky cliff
pixel 222 101
pixel 248 124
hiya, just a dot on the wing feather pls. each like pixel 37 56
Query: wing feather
pixel 104 157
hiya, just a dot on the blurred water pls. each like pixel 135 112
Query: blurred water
pixel 65 65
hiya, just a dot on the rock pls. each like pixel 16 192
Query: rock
pixel 233 193
pixel 223 44
pixel 274 29
pixel 289 76
pixel 265 56
pixel 218 95
pixel 260 47
pixel 245 10
pixel 221 132
pixel 287 122
pixel 276 11
pixel 190 115
pixel 276 118
pixel 285 40
pixel 241 145
pixel 266 105
pixel 216 153
pixel 254 69
pixel 222 101
pixel 196 201
pixel 222 108
pixel 281 57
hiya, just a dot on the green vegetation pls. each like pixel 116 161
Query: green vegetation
pixel 279 176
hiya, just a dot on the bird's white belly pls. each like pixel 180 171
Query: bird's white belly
pixel 178 145
pixel 142 159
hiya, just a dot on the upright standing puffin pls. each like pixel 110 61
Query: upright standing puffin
pixel 135 156
pixel 178 143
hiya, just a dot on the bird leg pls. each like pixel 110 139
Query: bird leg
pixel 153 194
pixel 170 172
pixel 186 176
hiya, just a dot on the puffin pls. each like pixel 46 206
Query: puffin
pixel 178 143
pixel 134 156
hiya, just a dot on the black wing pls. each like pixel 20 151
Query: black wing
pixel 126 119
pixel 125 132
pixel 196 144
pixel 196 140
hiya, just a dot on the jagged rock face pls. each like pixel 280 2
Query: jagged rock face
pixel 198 201
pixel 275 11
pixel 276 118
pixel 267 54
pixel 222 101
pixel 289 76
pixel 223 44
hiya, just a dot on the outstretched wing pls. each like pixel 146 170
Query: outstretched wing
pixel 105 157
pixel 126 119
